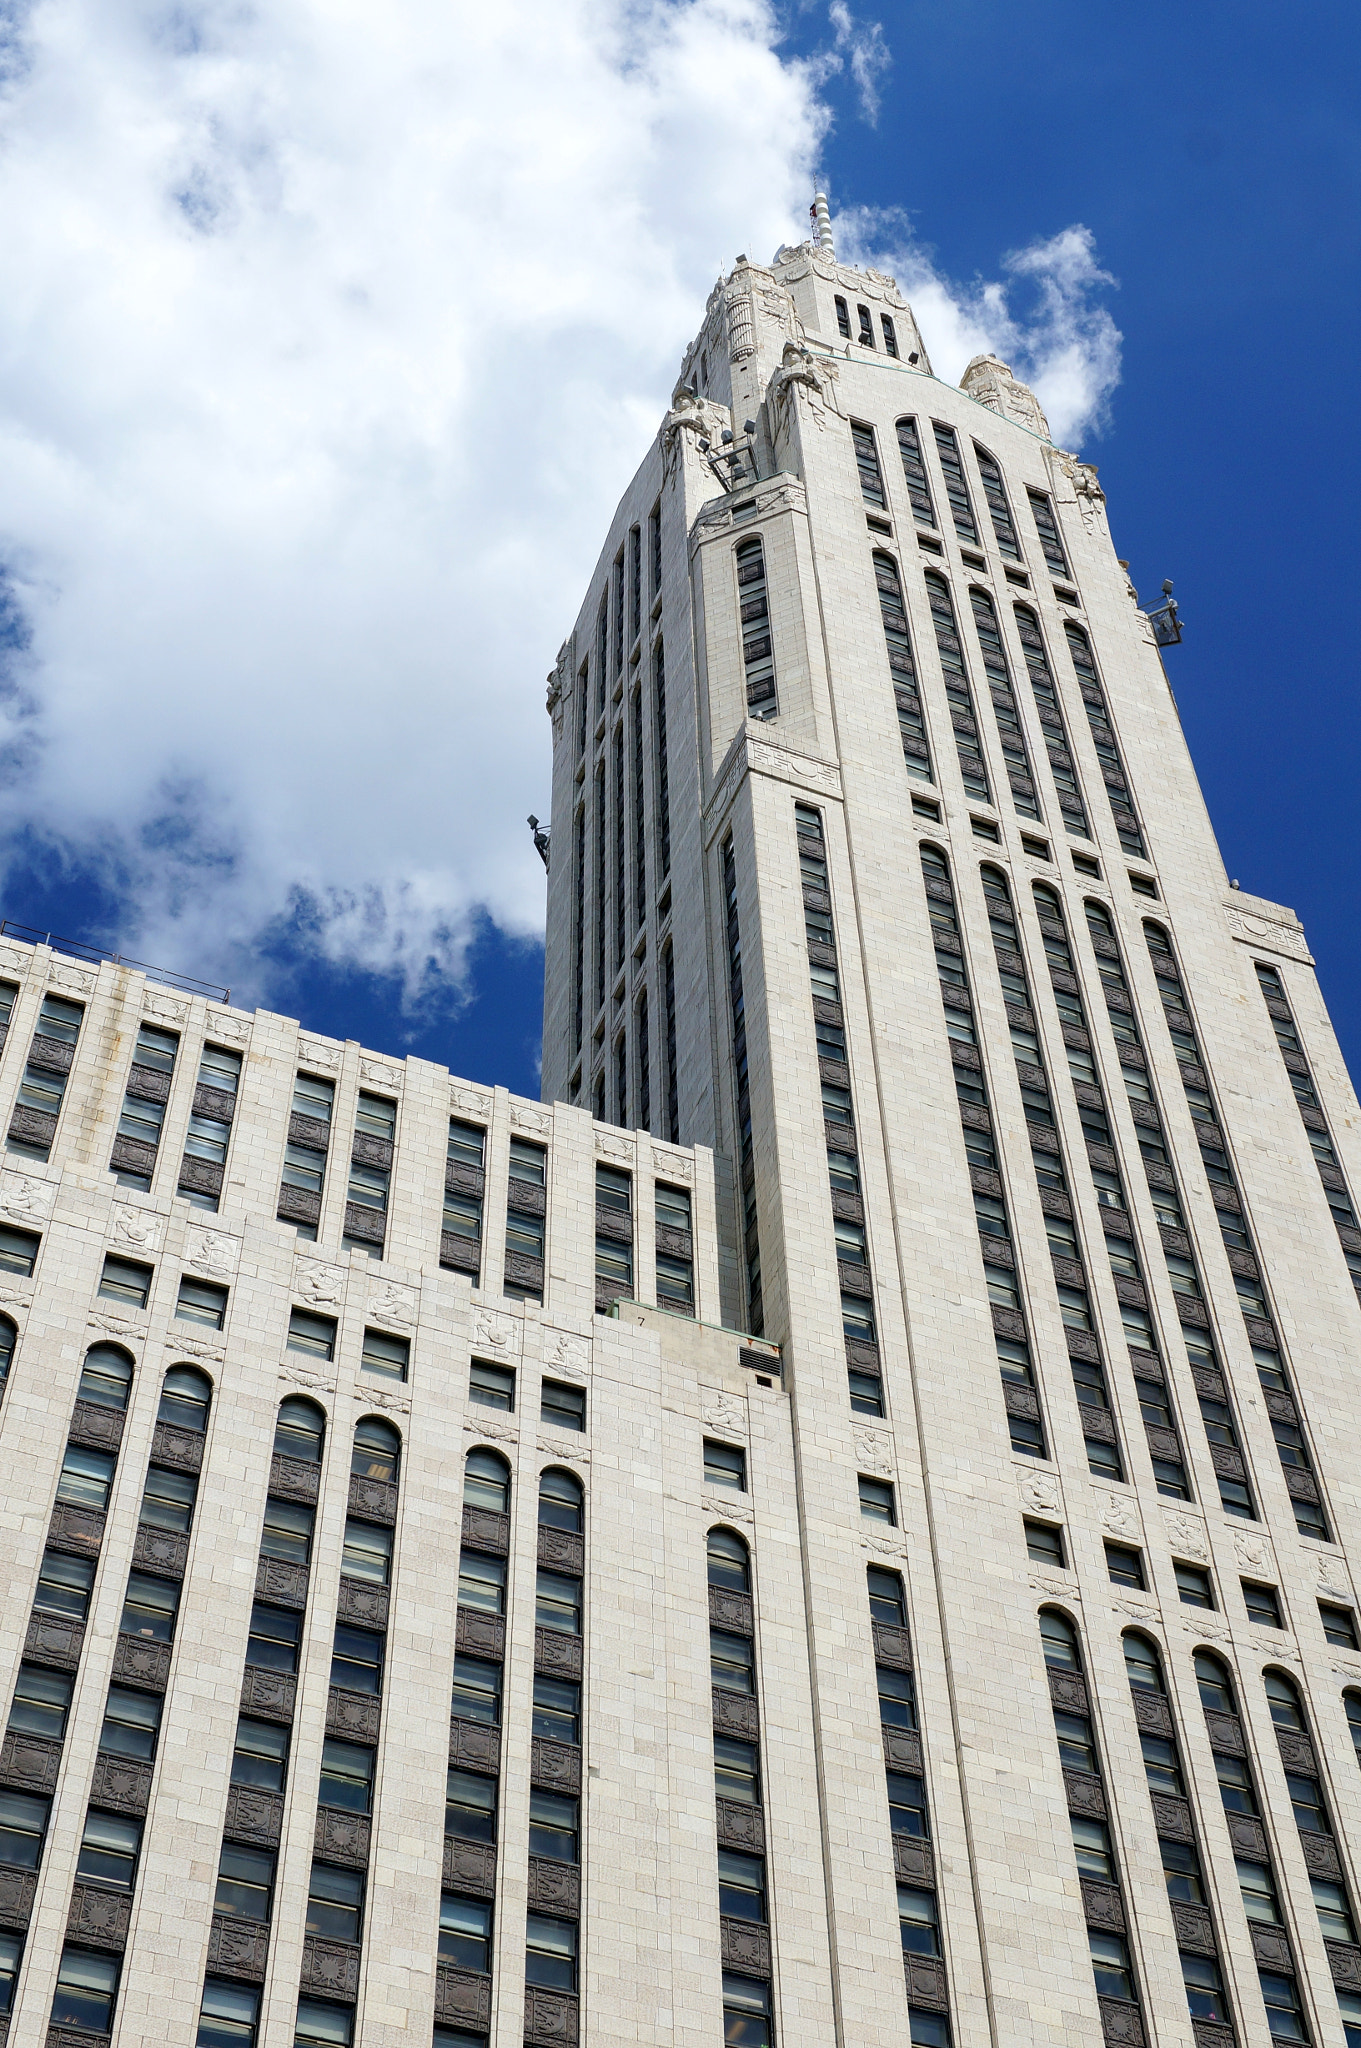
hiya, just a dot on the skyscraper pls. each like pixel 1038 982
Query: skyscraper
pixel 928 1285
pixel 881 869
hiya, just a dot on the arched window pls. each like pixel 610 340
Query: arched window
pixel 1059 1637
pixel 486 1482
pixel 729 1561
pixel 1216 1686
pixel 300 1430
pixel 9 1337
pixel 956 489
pixel 886 1597
pixel 185 1396
pixel 963 714
pixel 995 491
pixel 1001 917
pixel 843 316
pixel 902 668
pixel 105 1377
pixel 914 473
pixel 1103 737
pixel 377 1451
pixel 866 327
pixel 560 1501
pixel 1284 1701
pixel 1352 1702
pixel 1051 718
pixel 1047 902
pixel 995 667
pixel 1143 1664
pixel 758 655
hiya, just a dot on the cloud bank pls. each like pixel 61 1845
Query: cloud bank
pixel 330 335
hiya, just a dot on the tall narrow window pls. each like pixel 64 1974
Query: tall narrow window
pixel 583 705
pixel 890 334
pixel 1051 720
pixel 902 668
pixel 866 326
pixel 914 473
pixel 963 714
pixel 1311 1110
pixel 635 583
pixel 746 1150
pixel 601 872
pixel 619 613
pixel 843 317
pixel 579 932
pixel 956 488
pixel 602 650
pixel 758 658
pixel 867 462
pixel 995 491
pixel 1019 773
pixel 639 837
pixel 1047 528
pixel 672 1069
pixel 1103 736
pixel 621 1080
pixel 663 799
pixel 620 852
pixel 644 1067
pixel 654 548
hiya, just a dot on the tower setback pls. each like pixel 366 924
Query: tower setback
pixel 929 1283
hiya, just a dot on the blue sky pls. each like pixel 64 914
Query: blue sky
pixel 280 623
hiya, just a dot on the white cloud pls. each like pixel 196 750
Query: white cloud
pixel 1062 339
pixel 867 52
pixel 330 335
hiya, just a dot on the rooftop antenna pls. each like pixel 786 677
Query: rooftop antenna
pixel 822 222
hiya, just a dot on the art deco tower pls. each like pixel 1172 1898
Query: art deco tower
pixel 880 867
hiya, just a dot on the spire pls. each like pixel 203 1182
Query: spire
pixel 822 222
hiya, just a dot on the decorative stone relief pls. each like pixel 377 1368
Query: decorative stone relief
pixel 886 1546
pixel 167 1008
pixel 1117 1515
pixel 1039 1490
pixel 672 1165
pixel 16 1297
pixel 26 1199
pixel 231 1030
pixel 211 1251
pixel 1211 1631
pixel 71 978
pixel 201 1348
pixel 491 1332
pixel 795 768
pixel 384 1398
pixel 117 1326
pixel 1059 1588
pixel 1091 499
pixel 568 1353
pixel 381 1076
pixel 396 1306
pixel 318 1284
pixel 741 326
pixel 725 1411
pixel 324 1057
pixel 990 381
pixel 554 1452
pixel 470 1102
pixel 295 1374
pixel 1332 1578
pixel 536 1120
pixel 1251 1551
pixel 1137 1610
pixel 692 414
pixel 612 1148
pixel 1187 1537
pixel 1271 934
pixel 17 963
pixel 874 1454
pixel 491 1432
pixel 140 1230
